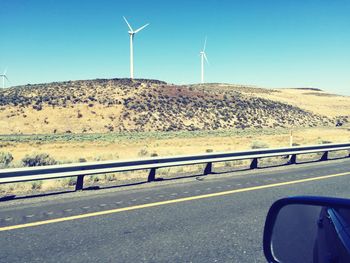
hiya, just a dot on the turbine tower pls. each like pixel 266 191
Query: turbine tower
pixel 132 33
pixel 3 75
pixel 203 56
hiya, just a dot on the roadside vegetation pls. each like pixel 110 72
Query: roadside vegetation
pixel 118 119
pixel 36 150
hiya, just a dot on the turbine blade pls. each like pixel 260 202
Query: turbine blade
pixel 126 21
pixel 206 59
pixel 6 78
pixel 141 28
pixel 205 44
pixel 5 71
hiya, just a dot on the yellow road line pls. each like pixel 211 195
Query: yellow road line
pixel 179 200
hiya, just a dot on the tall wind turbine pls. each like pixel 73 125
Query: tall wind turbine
pixel 203 56
pixel 132 33
pixel 3 75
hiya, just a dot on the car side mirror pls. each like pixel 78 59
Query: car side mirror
pixel 308 229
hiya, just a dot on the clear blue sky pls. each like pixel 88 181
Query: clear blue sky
pixel 269 43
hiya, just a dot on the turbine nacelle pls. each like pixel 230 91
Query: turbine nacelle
pixel 5 71
pixel 132 32
pixel 202 53
pixel 203 57
pixel 4 76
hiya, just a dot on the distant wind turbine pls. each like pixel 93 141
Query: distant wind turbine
pixel 132 33
pixel 3 75
pixel 203 56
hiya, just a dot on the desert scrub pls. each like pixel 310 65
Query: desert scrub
pixel 136 136
pixel 71 181
pixel 143 152
pixel 259 145
pixel 228 164
pixel 110 177
pixel 36 185
pixel 38 160
pixel 5 159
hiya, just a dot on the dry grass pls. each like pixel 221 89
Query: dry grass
pixel 100 106
pixel 136 148
pixel 134 107
pixel 59 119
pixel 315 101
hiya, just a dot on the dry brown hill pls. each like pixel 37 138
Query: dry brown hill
pixel 112 105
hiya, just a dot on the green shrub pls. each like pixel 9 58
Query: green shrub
pixel 72 181
pixel 228 164
pixel 5 159
pixel 110 177
pixel 259 145
pixel 98 158
pixel 36 185
pixel 142 152
pixel 38 160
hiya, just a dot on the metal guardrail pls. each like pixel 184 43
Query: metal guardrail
pixel 80 170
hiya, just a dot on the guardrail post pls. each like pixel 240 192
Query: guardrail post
pixel 80 183
pixel 254 163
pixel 324 156
pixel 152 175
pixel 208 168
pixel 293 159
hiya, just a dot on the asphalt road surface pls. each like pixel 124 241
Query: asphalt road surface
pixel 218 219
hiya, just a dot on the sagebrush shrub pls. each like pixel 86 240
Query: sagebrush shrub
pixel 259 145
pixel 38 160
pixel 5 159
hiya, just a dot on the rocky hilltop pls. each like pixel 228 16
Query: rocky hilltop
pixel 113 105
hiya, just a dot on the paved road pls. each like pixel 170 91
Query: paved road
pixel 211 220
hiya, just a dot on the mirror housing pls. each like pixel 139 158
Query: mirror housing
pixel 283 209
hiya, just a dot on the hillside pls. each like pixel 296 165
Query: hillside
pixel 112 105
pixel 313 100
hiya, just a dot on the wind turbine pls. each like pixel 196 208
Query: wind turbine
pixel 203 56
pixel 3 75
pixel 132 33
